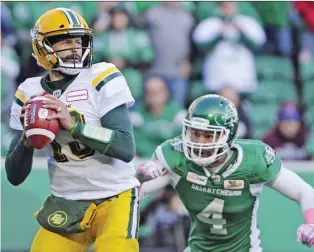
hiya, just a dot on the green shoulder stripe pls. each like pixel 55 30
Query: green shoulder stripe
pixel 105 76
pixel 18 101
pixel 20 97
pixel 107 79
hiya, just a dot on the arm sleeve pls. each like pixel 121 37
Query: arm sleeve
pixel 121 144
pixel 153 186
pixel 19 160
pixel 293 187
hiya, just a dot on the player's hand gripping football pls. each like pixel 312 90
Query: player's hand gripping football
pixel 62 114
pixel 305 234
pixel 152 169
pixel 26 105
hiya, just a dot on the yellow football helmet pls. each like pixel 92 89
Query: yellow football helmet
pixel 61 23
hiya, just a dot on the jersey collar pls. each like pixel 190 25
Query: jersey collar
pixel 231 169
pixel 230 165
pixel 231 156
pixel 51 86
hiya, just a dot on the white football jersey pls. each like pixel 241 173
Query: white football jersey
pixel 75 170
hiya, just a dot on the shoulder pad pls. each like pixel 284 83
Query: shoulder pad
pixel 176 144
pixel 269 155
pixel 102 73
pixel 170 155
pixel 21 94
pixel 260 160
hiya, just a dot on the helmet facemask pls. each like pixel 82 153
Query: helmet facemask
pixel 70 68
pixel 204 154
pixel 45 46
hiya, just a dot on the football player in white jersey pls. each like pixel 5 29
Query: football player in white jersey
pixel 94 197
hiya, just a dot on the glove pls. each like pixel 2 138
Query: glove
pixel 305 234
pixel 152 169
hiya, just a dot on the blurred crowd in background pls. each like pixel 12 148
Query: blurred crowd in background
pixel 172 52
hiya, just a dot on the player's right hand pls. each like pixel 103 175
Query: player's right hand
pixel 26 105
pixel 152 169
pixel 24 108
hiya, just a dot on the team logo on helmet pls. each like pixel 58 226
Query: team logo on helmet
pixel 35 33
pixel 231 116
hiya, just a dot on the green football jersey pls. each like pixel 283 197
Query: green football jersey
pixel 222 207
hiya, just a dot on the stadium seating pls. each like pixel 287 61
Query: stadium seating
pixel 196 90
pixel 308 93
pixel 308 116
pixel 307 71
pixel 274 68
pixel 263 117
pixel 273 91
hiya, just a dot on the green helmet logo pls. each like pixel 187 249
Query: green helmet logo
pixel 231 117
pixel 217 118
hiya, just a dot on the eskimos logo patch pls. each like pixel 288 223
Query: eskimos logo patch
pixel 57 219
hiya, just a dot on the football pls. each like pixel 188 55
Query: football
pixel 38 129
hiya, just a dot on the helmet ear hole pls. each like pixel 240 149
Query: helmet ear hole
pixel 38 49
pixel 48 57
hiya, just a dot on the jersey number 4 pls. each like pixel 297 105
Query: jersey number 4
pixel 212 215
pixel 75 146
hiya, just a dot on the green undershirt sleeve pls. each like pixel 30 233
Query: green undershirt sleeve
pixel 19 160
pixel 116 138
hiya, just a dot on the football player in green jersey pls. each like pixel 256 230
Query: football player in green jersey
pixel 219 177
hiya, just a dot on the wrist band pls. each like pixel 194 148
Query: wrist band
pixel 309 216
pixel 73 127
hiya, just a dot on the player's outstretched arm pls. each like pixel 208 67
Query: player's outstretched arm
pixel 153 169
pixel 293 187
pixel 153 186
pixel 19 160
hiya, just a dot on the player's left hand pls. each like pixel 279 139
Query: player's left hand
pixel 62 114
pixel 305 234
